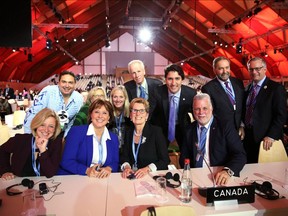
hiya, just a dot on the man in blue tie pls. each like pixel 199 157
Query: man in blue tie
pixel 217 142
pixel 139 86
pixel 170 104
pixel 227 94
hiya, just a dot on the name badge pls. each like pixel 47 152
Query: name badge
pixel 244 194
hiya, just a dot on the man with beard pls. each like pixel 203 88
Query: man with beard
pixel 61 98
pixel 227 94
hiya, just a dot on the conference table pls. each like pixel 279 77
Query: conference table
pixel 112 196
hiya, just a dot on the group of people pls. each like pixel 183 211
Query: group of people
pixel 131 130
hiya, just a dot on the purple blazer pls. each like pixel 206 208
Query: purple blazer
pixel 20 147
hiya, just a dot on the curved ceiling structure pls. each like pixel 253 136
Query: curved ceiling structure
pixel 185 33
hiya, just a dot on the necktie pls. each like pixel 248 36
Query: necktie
pixel 172 118
pixel 202 143
pixel 142 92
pixel 250 105
pixel 229 93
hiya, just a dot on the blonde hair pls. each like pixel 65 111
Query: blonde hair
pixel 39 119
pixel 126 101
pixel 140 101
pixel 92 93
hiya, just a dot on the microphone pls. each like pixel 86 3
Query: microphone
pixel 203 190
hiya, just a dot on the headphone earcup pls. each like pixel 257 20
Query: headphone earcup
pixel 28 183
pixel 266 187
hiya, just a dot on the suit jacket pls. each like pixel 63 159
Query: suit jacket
pixel 78 152
pixel 160 108
pixel 20 147
pixel 10 94
pixel 131 87
pixel 222 107
pixel 269 113
pixel 153 150
pixel 225 146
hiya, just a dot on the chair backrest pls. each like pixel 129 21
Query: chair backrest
pixel 4 134
pixel 276 153
pixel 171 211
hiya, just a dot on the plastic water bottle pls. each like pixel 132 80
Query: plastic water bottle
pixel 186 183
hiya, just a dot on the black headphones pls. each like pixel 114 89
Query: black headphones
pixel 266 190
pixel 25 182
pixel 168 176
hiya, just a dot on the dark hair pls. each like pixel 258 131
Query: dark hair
pixel 176 68
pixel 99 103
pixel 67 73
pixel 220 58
pixel 257 59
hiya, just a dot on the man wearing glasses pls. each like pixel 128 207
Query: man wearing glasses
pixel 265 110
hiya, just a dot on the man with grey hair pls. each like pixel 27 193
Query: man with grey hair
pixel 139 86
pixel 265 110
pixel 227 94
pixel 209 138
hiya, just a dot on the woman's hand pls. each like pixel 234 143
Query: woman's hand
pixel 126 172
pixel 142 172
pixel 103 172
pixel 8 176
pixel 41 144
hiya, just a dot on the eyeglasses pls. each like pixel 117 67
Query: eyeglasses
pixel 141 111
pixel 258 69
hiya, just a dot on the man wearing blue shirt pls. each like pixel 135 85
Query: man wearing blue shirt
pixel 61 98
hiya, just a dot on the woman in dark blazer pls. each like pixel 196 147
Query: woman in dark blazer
pixel 145 147
pixel 36 154
pixel 91 149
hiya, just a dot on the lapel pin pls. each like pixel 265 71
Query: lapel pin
pixel 265 87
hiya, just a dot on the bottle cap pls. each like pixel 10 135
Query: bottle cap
pixel 187 161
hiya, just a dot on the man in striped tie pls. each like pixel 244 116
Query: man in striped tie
pixel 227 94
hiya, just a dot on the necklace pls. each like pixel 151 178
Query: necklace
pixel 136 134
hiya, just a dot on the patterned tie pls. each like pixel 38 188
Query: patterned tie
pixel 250 105
pixel 142 92
pixel 229 93
pixel 172 118
pixel 202 143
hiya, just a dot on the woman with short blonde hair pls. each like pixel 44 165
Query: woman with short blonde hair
pixel 36 154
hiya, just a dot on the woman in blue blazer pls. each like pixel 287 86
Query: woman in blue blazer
pixel 91 149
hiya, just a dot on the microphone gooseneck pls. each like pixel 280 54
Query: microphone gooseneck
pixel 202 191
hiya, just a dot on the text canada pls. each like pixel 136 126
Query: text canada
pixel 230 192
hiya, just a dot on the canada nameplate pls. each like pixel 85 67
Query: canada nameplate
pixel 244 194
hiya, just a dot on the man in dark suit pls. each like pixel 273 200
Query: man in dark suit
pixel 265 110
pixel 9 92
pixel 219 143
pixel 179 95
pixel 227 94
pixel 139 86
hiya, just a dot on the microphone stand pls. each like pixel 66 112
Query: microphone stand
pixel 203 190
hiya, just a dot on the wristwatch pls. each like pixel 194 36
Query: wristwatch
pixel 229 171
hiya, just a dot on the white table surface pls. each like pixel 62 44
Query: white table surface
pixel 116 196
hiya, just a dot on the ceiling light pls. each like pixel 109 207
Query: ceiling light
pixel 49 44
pixel 145 35
pixel 107 42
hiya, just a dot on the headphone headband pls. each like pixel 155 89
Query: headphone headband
pixel 25 182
